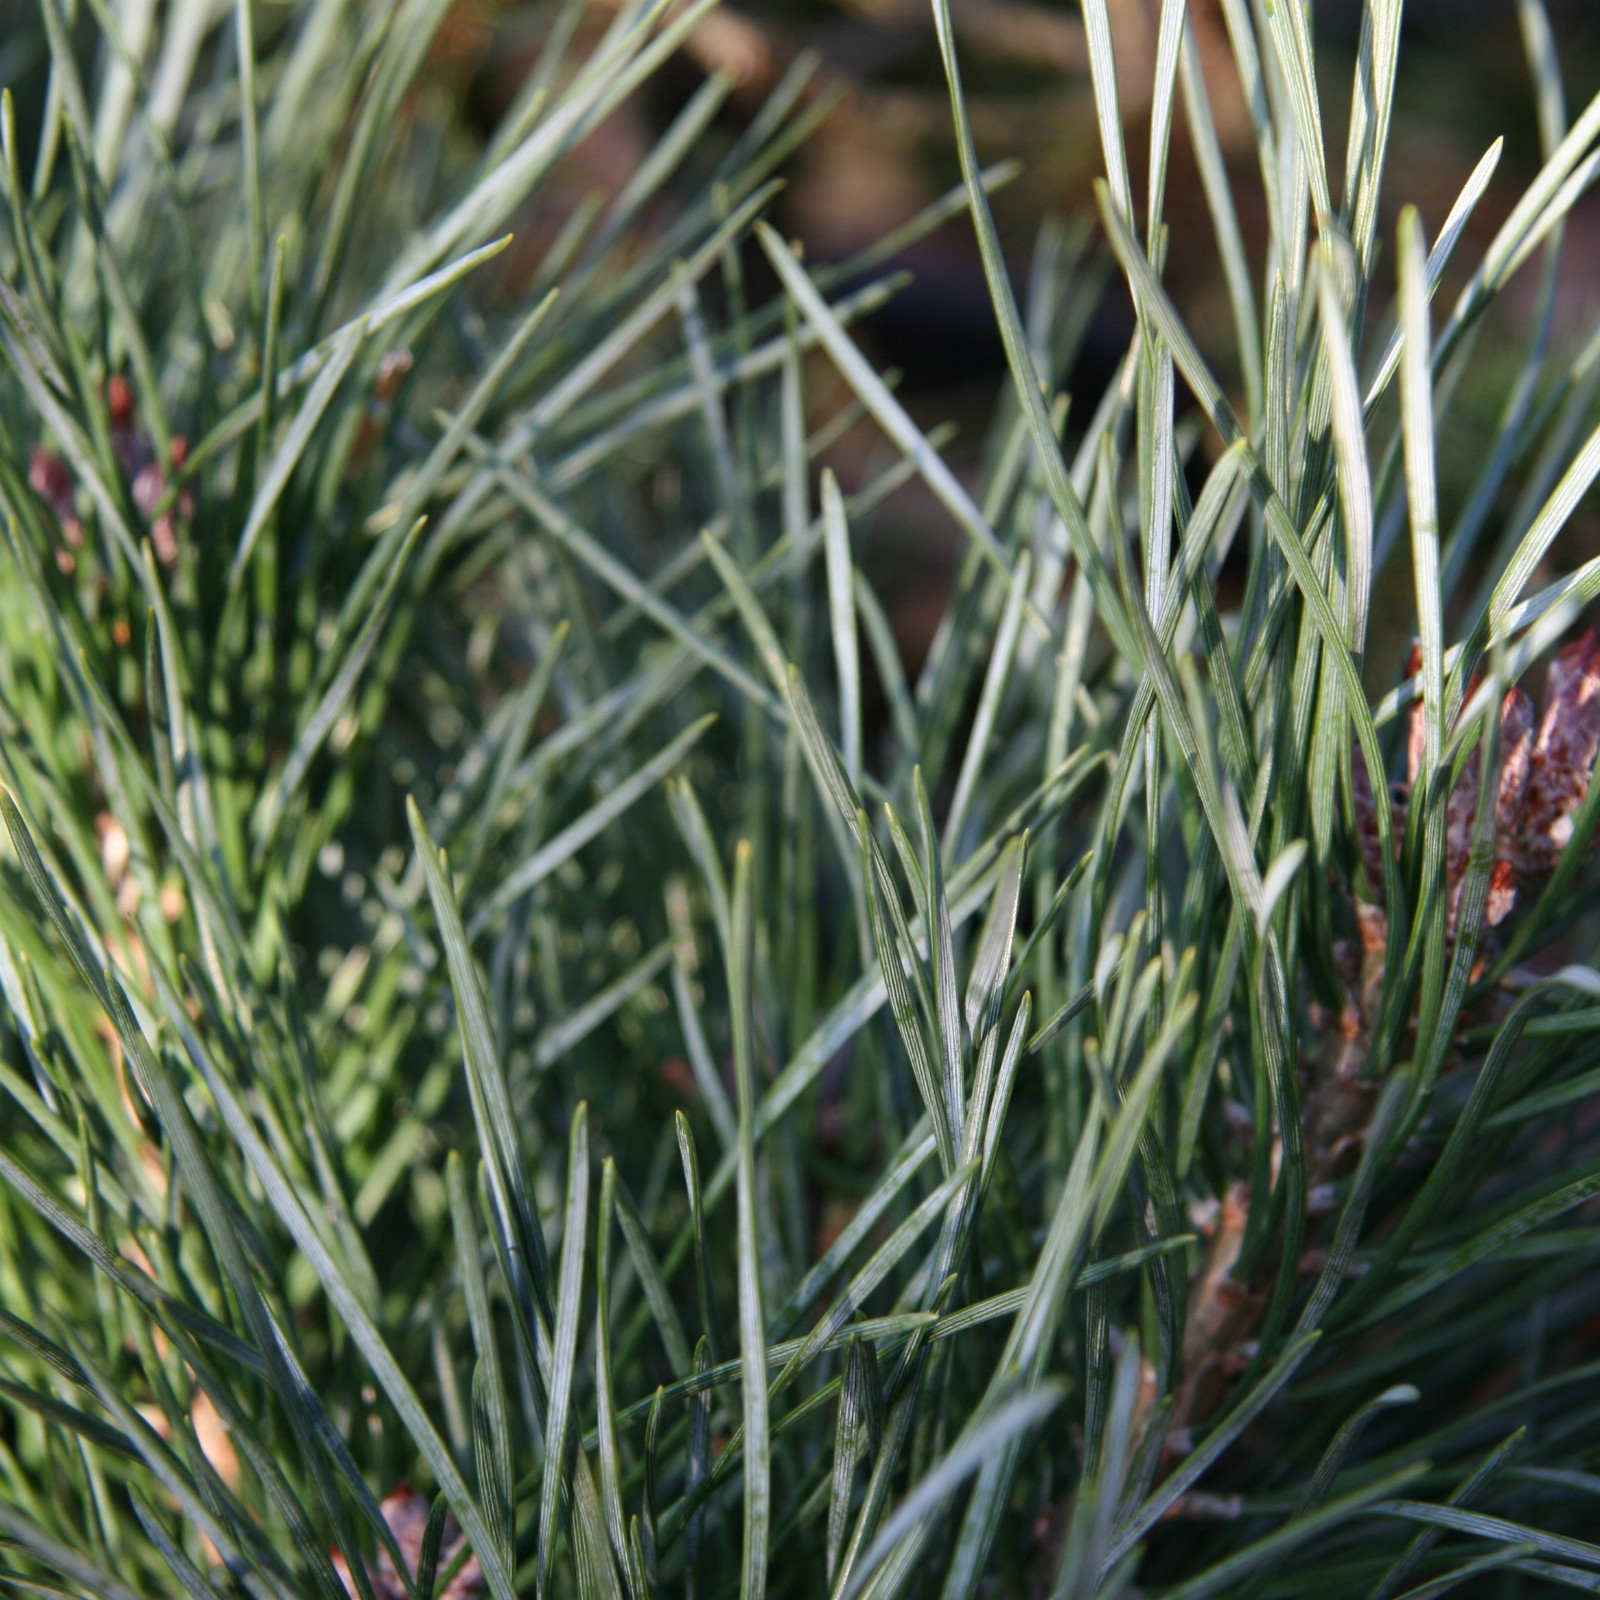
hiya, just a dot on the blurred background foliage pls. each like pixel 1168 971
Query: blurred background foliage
pixel 880 148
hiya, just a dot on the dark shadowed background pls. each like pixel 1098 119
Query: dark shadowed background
pixel 881 149
pixel 884 150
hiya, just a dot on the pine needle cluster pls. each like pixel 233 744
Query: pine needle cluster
pixel 536 1058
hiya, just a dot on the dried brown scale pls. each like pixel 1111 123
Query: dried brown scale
pixel 406 1512
pixel 1336 1104
pixel 1543 779
pixel 52 480
pixel 1560 764
pixel 375 421
pixel 1516 759
pixel 1366 815
pixel 1544 776
pixel 1223 1312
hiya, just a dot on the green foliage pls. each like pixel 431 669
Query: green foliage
pixel 443 800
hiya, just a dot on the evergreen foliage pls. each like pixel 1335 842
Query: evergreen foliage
pixel 516 1081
